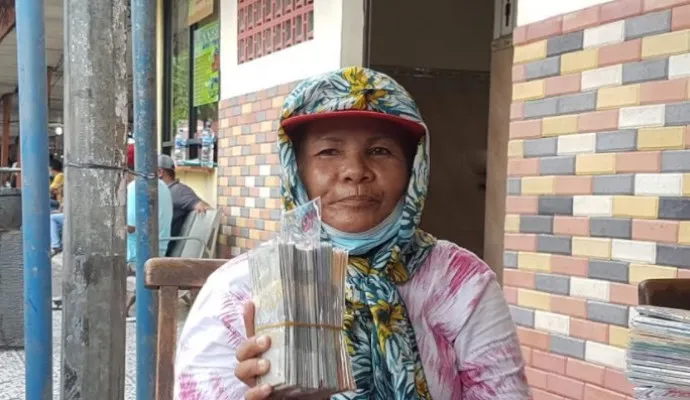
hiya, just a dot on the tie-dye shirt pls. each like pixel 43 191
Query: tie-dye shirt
pixel 466 336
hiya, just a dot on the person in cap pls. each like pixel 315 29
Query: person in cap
pixel 184 198
pixel 429 320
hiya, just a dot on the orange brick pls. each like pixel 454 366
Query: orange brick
pixel 569 306
pixel 533 338
pixel 520 241
pixel 563 84
pixel 548 362
pixel 616 381
pixel 589 330
pixel 520 35
pixel 525 129
pixel 597 393
pixel 538 394
pixel 598 121
pixel 663 91
pixel 546 28
pixel 655 231
pixel 567 387
pixel 518 278
pixel 522 204
pixel 585 371
pixel 620 53
pixel 526 354
pixel 571 226
pixel 653 5
pixel 523 166
pixel 511 294
pixel 622 293
pixel 566 265
pixel 620 9
pixel 684 273
pixel 581 19
pixel 573 185
pixel 535 377
pixel 519 73
pixel 680 18
pixel 517 110
pixel 642 161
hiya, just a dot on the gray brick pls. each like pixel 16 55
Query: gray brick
pixel 510 259
pixel 554 244
pixel 540 108
pixel 561 165
pixel 555 205
pixel 614 271
pixel 275 215
pixel 607 313
pixel 675 161
pixel 513 186
pixel 648 24
pixel 543 68
pixel 575 103
pixel 673 255
pixel 275 193
pixel 244 212
pixel 677 114
pixel 614 184
pixel 674 208
pixel 618 228
pixel 244 232
pixel 568 346
pixel 522 316
pixel 643 71
pixel 246 129
pixel 565 43
pixel 623 140
pixel 540 147
pixel 552 283
pixel 536 224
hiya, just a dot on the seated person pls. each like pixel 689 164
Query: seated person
pixel 58 181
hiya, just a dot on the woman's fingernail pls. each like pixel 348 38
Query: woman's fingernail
pixel 262 341
pixel 263 365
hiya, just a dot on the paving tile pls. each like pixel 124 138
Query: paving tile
pixel 641 272
pixel 598 121
pixel 618 96
pixel 677 208
pixel 648 24
pixel 615 271
pixel 564 43
pixel 551 322
pixel 554 244
pixel 579 61
pixel 543 68
pixel 667 184
pixel 614 184
pixel 541 108
pixel 510 259
pixel 675 161
pixel 602 77
pixel 670 91
pixel 522 316
pixel 560 165
pixel 575 144
pixel 540 147
pixel 530 90
pixel 678 114
pixel 577 103
pixel 616 141
pixel 661 138
pixel 603 354
pixel 555 205
pixel 620 10
pixel 673 255
pixel 656 231
pixel 620 53
pixel 571 226
pixel 552 126
pixel 619 228
pixel 513 186
pixel 573 185
pixel 590 288
pixel 568 346
pixel 642 116
pixel 607 313
pixel 563 84
pixel 581 19
pixel 552 283
pixel 606 34
pixel 681 18
pixel 665 45
pixel 645 71
pixel 592 206
pixel 536 224
pixel 679 66
pixel 645 207
pixel 633 251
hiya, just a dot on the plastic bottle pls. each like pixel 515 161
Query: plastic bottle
pixel 180 153
pixel 208 139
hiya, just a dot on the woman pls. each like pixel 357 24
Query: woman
pixel 355 139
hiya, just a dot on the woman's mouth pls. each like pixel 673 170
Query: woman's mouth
pixel 358 201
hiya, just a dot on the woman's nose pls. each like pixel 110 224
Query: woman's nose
pixel 356 169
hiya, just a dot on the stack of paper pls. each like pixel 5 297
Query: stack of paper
pixel 300 298
pixel 659 353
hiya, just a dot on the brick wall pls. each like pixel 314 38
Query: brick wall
pixel 598 185
pixel 249 171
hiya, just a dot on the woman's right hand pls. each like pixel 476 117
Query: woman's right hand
pixel 250 365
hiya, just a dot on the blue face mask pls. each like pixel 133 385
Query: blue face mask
pixel 358 244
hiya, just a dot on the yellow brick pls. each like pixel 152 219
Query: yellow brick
pixel 645 207
pixel 619 336
pixel 672 137
pixel 534 299
pixel 266 126
pixel 559 125
pixel 538 185
pixel 530 52
pixel 528 90
pixel 246 108
pixel 621 96
pixel 686 184
pixel 595 164
pixel 235 191
pixel 253 234
pixel 591 247
pixel 516 148
pixel 640 272
pixel 271 226
pixel 579 61
pixel 224 162
pixel 534 261
pixel 236 130
pixel 250 160
pixel 236 151
pixel 224 143
pixel 272 181
pixel 251 139
pixel 266 148
pixel 684 232
pixel 224 123
pixel 666 44
pixel 235 171
pixel 277 102
pixel 512 223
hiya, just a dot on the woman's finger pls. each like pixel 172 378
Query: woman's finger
pixel 259 392
pixel 249 318
pixel 247 371
pixel 253 347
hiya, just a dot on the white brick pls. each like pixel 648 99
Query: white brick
pixel 249 181
pixel 632 313
pixel 605 34
pixel 265 192
pixel 589 288
pixel 659 184
pixel 592 206
pixel 574 144
pixel 551 322
pixel 264 170
pixel 632 117
pixel 606 355
pixel 600 77
pixel 633 251
pixel 250 202
pixel 679 66
pixel 235 211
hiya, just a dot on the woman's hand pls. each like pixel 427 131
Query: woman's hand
pixel 250 366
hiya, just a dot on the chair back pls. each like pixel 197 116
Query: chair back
pixel 169 276
pixel 671 293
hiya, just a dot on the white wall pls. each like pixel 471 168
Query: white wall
pixel 338 26
pixel 530 11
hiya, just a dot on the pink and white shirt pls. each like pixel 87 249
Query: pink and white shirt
pixel 465 334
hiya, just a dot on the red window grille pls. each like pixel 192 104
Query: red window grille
pixel 267 26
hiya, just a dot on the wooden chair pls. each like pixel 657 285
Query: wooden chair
pixel 672 293
pixel 169 276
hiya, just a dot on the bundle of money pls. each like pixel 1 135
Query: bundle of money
pixel 299 294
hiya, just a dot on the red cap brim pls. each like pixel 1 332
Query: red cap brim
pixel 414 128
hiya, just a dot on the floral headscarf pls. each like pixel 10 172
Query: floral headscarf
pixel 381 340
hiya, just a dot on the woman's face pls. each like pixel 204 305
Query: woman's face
pixel 359 168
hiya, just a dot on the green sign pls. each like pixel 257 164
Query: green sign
pixel 207 64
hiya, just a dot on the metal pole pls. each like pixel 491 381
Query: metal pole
pixel 144 63
pixel 96 108
pixel 33 125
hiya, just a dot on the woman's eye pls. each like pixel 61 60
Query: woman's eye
pixel 328 152
pixel 379 151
